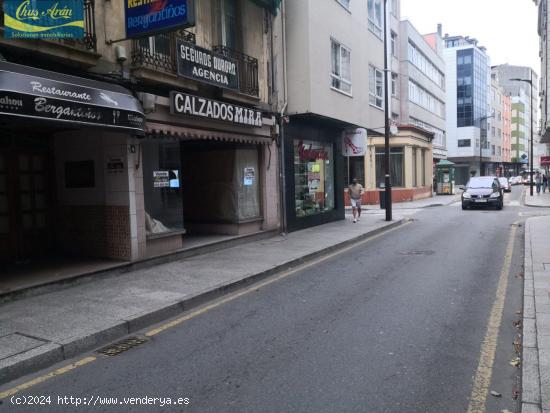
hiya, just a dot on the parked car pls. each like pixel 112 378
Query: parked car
pixel 505 184
pixel 483 191
pixel 526 180
pixel 515 180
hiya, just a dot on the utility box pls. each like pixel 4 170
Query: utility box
pixel 445 177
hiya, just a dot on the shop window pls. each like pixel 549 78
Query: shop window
pixel 313 177
pixel 396 166
pixel 355 168
pixel 162 189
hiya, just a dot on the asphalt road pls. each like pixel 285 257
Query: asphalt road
pixel 393 325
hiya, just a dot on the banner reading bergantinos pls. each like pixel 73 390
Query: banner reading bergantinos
pixel 39 19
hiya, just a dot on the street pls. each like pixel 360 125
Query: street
pixel 394 324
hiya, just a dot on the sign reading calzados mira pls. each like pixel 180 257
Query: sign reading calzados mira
pixel 48 19
pixel 206 66
pixel 184 104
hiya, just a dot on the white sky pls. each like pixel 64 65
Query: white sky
pixel 507 28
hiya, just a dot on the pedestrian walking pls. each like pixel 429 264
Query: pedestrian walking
pixel 355 190
pixel 538 182
pixel 544 183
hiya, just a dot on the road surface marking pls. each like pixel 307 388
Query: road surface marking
pixel 263 284
pixel 58 372
pixel 482 380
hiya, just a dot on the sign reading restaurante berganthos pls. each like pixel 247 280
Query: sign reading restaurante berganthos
pixel 207 66
pixel 44 19
pixel 184 104
pixel 147 17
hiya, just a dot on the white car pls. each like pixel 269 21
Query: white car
pixel 505 184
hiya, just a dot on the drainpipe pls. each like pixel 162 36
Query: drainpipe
pixel 282 163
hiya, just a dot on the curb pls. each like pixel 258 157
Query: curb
pixel 52 353
pixel 530 380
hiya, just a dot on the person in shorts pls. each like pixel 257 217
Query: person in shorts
pixel 355 190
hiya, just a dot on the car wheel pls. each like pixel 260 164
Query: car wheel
pixel 464 206
pixel 500 206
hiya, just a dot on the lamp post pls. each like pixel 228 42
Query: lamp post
pixel 481 141
pixel 387 180
pixel 530 81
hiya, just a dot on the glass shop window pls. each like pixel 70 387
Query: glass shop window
pixel 162 186
pixel 313 177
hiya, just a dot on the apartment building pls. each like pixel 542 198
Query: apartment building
pixel 468 80
pixel 110 175
pixel 495 126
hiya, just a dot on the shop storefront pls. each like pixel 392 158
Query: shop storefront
pixel 313 174
pixel 209 168
pixel 64 166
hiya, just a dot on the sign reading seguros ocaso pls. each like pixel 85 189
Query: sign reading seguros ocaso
pixel 43 19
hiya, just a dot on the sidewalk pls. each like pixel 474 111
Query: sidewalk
pixel 437 200
pixel 38 331
pixel 541 200
pixel 536 317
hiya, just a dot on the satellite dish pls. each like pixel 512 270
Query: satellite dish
pixel 393 130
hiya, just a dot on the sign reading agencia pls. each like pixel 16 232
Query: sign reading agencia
pixel 147 17
pixel 184 104
pixel 201 64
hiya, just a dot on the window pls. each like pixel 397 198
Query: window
pixel 393 44
pixel 376 18
pixel 464 143
pixel 396 166
pixel 229 23
pixel 394 79
pixel 313 177
pixel 417 58
pixel 376 87
pixel 356 167
pixel 344 3
pixel 341 67
pixel 425 99
pixel 493 150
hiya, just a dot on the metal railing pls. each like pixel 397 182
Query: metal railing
pixel 248 70
pixel 88 42
pixel 159 52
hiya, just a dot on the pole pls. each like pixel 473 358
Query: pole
pixel 531 127
pixel 387 169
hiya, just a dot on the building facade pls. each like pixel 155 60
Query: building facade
pixel 468 80
pixel 173 145
pixel 495 127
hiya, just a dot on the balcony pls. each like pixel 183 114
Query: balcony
pixel 88 42
pixel 159 53
pixel 248 70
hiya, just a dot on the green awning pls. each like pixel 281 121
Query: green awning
pixel 271 5
pixel 444 162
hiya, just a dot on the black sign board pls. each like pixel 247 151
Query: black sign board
pixel 74 100
pixel 207 66
pixel 184 104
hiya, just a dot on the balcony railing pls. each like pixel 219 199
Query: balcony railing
pixel 88 42
pixel 248 70
pixel 159 52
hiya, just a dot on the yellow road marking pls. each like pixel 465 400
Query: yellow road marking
pixel 180 320
pixel 257 286
pixel 484 372
pixel 45 377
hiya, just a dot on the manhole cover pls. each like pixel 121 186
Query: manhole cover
pixel 121 346
pixel 417 252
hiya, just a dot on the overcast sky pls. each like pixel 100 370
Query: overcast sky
pixel 507 28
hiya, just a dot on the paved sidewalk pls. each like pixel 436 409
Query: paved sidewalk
pixel 437 200
pixel 38 331
pixel 536 317
pixel 541 200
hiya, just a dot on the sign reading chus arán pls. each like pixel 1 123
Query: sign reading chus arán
pixel 39 19
pixel 207 66
pixel 147 17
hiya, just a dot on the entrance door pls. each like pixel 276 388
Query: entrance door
pixel 32 214
pixel 24 232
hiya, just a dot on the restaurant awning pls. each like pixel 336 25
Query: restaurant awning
pixel 30 93
pixel 161 130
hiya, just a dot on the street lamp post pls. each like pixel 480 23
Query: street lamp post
pixel 387 180
pixel 530 81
